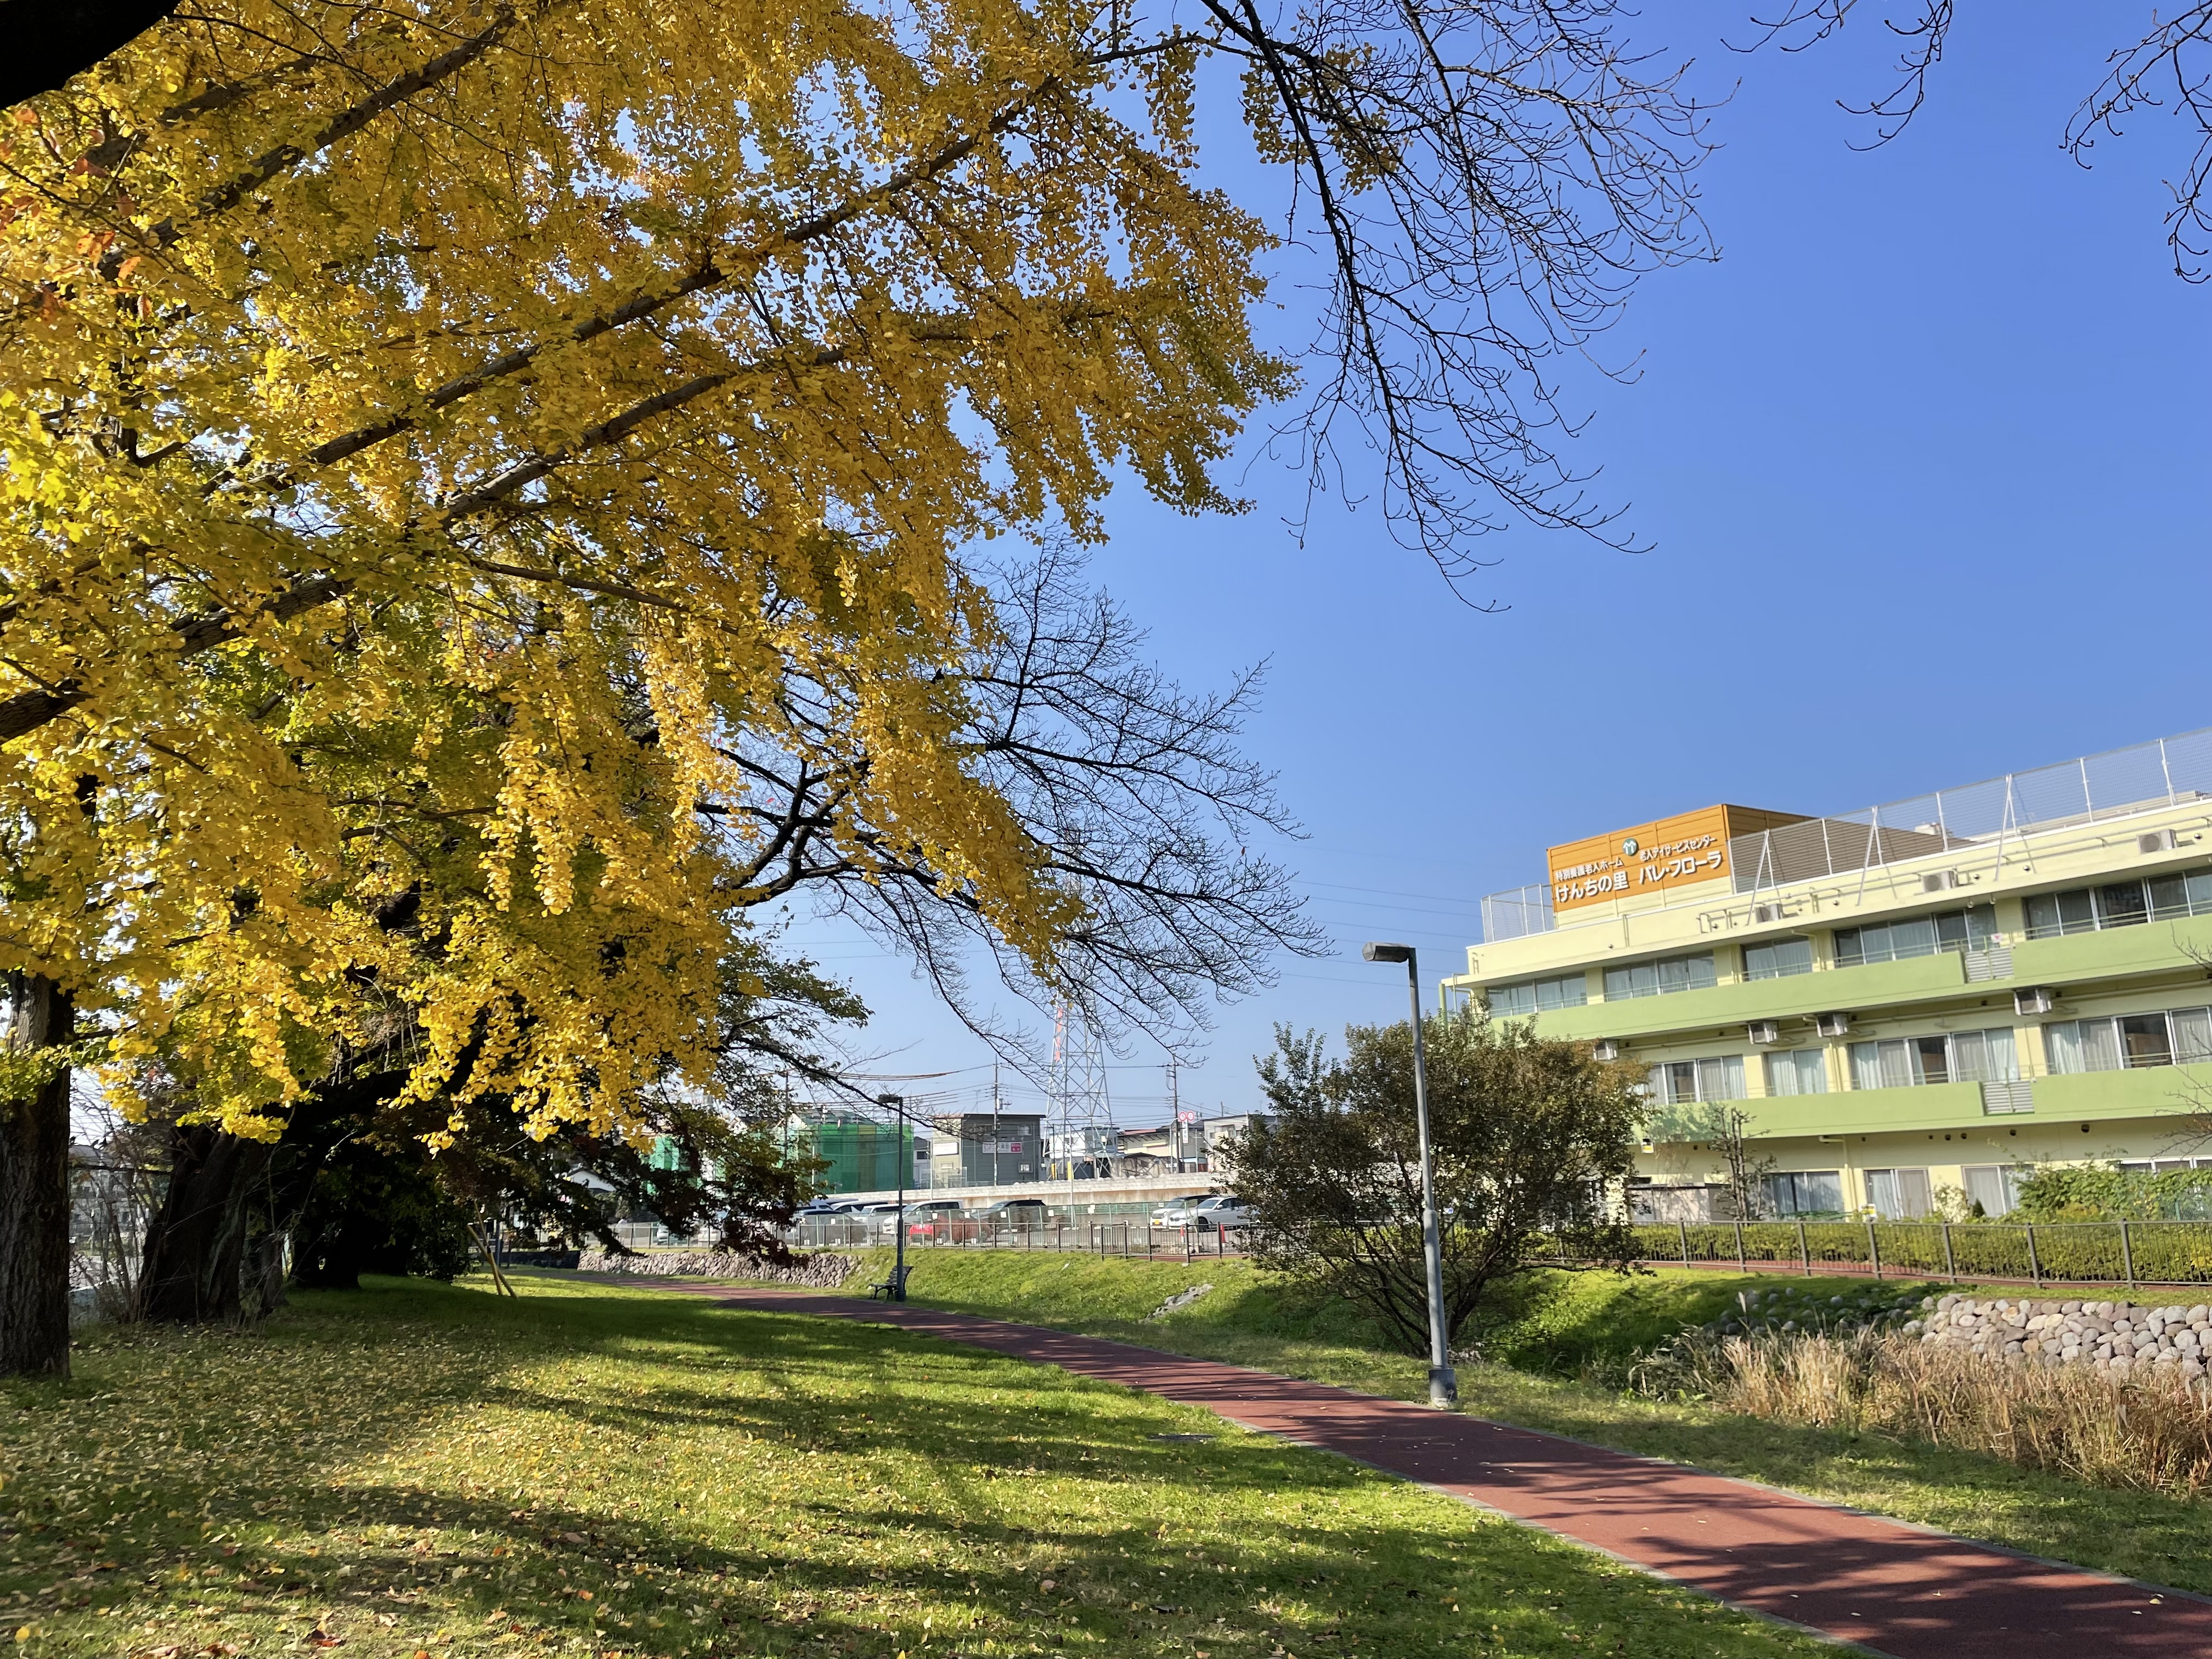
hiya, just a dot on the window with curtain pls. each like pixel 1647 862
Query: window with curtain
pixel 1990 1187
pixel 1803 1193
pixel 1973 929
pixel 1536 996
pixel 1687 1082
pixel 2119 904
pixel 2119 1042
pixel 1945 1057
pixel 1777 959
pixel 1900 1194
pixel 1660 978
pixel 1799 1072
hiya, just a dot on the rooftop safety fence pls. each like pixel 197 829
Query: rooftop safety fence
pixel 1985 815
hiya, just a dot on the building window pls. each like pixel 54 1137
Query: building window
pixel 2119 904
pixel 2162 1165
pixel 1536 996
pixel 1779 959
pixel 1687 1082
pixel 1805 1193
pixel 1990 1189
pixel 1660 978
pixel 1900 1194
pixel 1948 1057
pixel 1800 1072
pixel 1919 936
pixel 2173 1036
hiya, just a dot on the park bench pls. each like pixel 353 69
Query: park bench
pixel 893 1289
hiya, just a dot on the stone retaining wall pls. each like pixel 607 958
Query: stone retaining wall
pixel 2113 1336
pixel 821 1271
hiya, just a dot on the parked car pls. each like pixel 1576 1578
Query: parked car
pixel 830 1207
pixel 1176 1212
pixel 925 1220
pixel 1222 1211
pixel 1029 1212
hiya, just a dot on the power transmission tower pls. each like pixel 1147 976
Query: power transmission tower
pixel 1083 1137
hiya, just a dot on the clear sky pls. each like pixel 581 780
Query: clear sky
pixel 1923 461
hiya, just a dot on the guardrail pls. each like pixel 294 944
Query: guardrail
pixel 2037 1253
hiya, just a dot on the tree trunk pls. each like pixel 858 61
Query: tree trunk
pixel 196 1247
pixel 34 1192
pixel 268 1272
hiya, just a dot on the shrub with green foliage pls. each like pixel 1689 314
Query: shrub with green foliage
pixel 1532 1144
pixel 2106 1192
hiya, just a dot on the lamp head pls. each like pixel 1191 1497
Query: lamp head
pixel 1389 953
pixel 892 1101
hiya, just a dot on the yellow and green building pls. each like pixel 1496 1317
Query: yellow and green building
pixel 1911 1005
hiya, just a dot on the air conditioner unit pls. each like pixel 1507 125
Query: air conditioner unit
pixel 1606 1048
pixel 1762 1030
pixel 1831 1025
pixel 1939 881
pixel 1766 913
pixel 2159 841
pixel 2035 1000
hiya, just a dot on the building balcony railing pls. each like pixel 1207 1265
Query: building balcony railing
pixel 2183 1091
pixel 1987 816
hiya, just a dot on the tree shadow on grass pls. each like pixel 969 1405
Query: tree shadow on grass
pixel 358 1466
pixel 1551 1326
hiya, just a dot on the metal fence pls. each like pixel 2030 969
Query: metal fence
pixel 1516 913
pixel 1092 1237
pixel 2036 1253
pixel 2089 789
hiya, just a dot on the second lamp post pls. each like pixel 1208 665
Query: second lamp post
pixel 1443 1383
pixel 904 1156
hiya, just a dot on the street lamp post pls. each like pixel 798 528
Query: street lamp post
pixel 899 1156
pixel 1444 1384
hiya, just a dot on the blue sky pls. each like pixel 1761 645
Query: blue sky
pixel 1922 460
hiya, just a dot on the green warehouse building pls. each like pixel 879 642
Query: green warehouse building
pixel 1911 1006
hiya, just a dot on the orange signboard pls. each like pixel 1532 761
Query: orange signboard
pixel 1653 858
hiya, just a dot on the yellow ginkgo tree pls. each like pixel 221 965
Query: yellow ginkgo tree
pixel 493 487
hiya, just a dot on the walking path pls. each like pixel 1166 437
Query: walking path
pixel 1890 1588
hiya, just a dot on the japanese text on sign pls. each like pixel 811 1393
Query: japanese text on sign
pixel 1652 857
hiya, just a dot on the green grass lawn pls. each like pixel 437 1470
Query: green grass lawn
pixel 1588 1323
pixel 414 1470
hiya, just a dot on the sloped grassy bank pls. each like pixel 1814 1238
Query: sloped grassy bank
pixel 1559 1358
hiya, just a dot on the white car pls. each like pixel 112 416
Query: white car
pixel 1222 1211
pixel 1176 1212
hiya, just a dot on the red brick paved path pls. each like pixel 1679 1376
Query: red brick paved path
pixel 1890 1588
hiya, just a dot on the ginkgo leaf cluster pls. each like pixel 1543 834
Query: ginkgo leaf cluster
pixel 438 438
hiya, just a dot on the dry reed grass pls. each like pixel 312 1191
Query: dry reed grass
pixel 2147 1433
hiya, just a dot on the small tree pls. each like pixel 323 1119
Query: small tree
pixel 1533 1139
pixel 1725 1128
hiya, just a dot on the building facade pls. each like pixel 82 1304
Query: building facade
pixel 859 1153
pixel 1900 1011
pixel 986 1149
